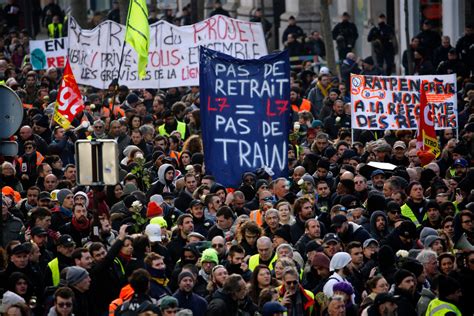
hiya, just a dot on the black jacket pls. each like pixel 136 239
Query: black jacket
pixel 105 283
pixel 222 304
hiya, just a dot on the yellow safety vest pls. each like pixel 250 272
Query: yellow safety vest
pixel 54 267
pixel 51 29
pixel 254 261
pixel 438 307
pixel 407 212
pixel 181 129
pixel 117 261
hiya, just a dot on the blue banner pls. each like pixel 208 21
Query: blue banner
pixel 245 114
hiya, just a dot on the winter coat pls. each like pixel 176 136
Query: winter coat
pixel 191 301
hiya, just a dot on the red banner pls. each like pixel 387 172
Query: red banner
pixel 427 142
pixel 69 101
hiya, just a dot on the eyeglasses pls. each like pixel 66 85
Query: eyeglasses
pixel 65 305
pixel 218 246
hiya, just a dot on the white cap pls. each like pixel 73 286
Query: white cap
pixel 153 231
pixel 324 71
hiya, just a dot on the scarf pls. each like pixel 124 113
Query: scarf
pixel 82 227
pixel 124 257
pixel 158 275
pixel 324 91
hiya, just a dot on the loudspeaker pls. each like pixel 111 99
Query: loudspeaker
pixel 11 116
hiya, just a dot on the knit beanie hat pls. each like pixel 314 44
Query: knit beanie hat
pixel 167 302
pixel 184 274
pixel 401 275
pixel 343 287
pixel 61 196
pixel 83 195
pixel 154 209
pixel 427 231
pixel 75 275
pixel 430 240
pixel 209 255
pixel 339 261
pixel 320 260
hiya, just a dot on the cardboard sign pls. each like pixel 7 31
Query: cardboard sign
pixel 393 102
pixel 48 53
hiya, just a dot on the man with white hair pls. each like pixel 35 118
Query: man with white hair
pixel 429 259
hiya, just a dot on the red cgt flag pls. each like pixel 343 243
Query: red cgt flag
pixel 427 143
pixel 69 101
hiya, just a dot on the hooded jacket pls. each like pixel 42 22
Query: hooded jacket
pixel 162 185
pixel 373 230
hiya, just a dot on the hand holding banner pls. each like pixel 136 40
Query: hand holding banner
pixel 69 101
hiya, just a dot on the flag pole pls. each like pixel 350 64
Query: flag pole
pixel 123 44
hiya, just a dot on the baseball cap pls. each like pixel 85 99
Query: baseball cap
pixel 377 172
pixel 370 241
pixel 44 196
pixel 460 162
pixel 66 241
pixel 195 202
pixel 153 231
pixel 20 249
pixel 399 144
pixel 331 237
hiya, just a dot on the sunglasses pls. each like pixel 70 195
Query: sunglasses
pixel 395 212
pixel 291 282
pixel 217 246
pixel 63 305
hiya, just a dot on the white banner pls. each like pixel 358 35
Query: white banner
pixel 393 102
pixel 173 59
pixel 48 53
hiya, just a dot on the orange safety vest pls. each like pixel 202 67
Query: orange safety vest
pixel 257 217
pixel 125 294
pixel 39 159
pixel 305 106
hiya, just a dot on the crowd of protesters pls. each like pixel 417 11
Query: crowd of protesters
pixel 336 237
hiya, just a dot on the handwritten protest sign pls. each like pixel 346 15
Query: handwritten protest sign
pixel 393 102
pixel 48 53
pixel 173 58
pixel 245 108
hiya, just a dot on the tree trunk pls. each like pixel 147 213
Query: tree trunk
pixel 79 12
pixel 327 36
pixel 123 5
pixel 408 41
